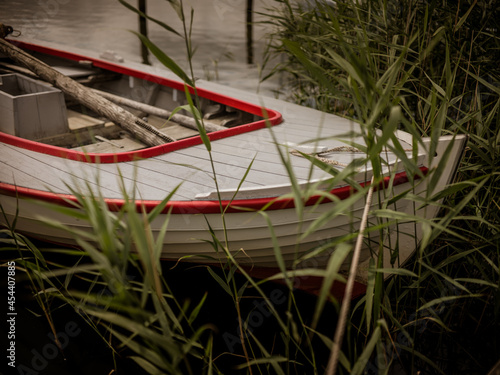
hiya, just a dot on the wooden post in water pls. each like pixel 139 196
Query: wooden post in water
pixel 143 29
pixel 139 129
pixel 249 23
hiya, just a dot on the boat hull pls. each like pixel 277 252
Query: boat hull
pixel 249 235
pixel 262 225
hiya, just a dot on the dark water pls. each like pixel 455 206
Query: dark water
pixel 218 33
pixel 84 351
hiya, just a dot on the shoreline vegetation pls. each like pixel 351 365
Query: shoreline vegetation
pixel 430 68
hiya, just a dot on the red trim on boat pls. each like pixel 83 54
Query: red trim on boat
pixel 271 117
pixel 200 207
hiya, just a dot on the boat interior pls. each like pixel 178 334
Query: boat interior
pixel 35 110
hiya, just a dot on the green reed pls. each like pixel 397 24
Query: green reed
pixel 337 57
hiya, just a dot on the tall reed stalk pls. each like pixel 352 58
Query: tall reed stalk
pixel 336 56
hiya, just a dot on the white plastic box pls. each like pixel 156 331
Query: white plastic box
pixel 31 109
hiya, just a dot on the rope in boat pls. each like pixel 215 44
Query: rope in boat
pixel 153 130
pixel 319 155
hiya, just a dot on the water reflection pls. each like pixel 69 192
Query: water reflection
pixel 99 25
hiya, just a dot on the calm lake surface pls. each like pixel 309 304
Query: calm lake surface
pixel 219 33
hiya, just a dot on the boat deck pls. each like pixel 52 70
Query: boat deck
pixel 190 168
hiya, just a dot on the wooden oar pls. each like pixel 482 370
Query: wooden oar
pixel 186 121
pixel 144 132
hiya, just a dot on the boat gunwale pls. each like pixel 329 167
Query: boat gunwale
pixel 206 206
pixel 270 117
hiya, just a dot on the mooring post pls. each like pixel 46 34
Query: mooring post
pixel 249 22
pixel 143 29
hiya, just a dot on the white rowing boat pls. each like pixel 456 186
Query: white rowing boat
pixel 50 144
